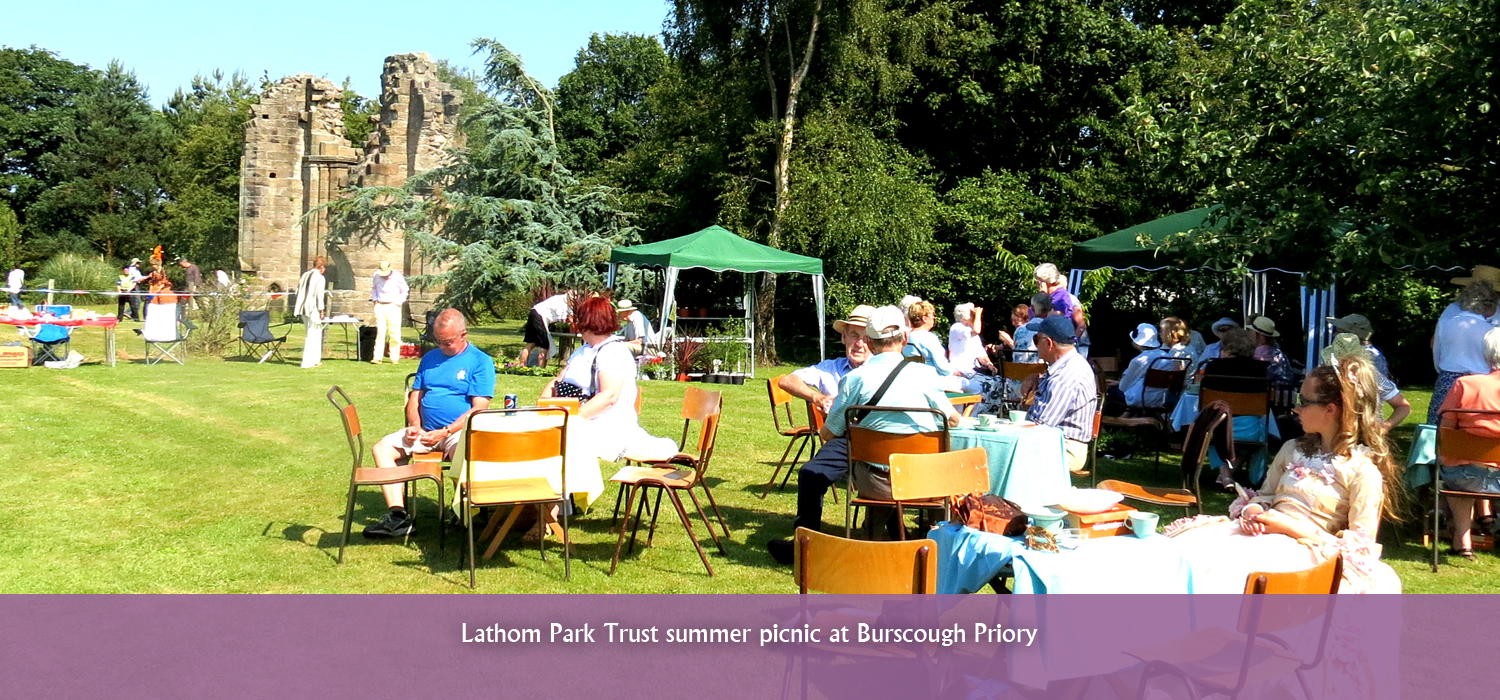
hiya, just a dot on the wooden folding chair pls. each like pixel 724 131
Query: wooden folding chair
pixel 1213 417
pixel 1248 403
pixel 800 436
pixel 927 480
pixel 1215 660
pixel 1155 419
pixel 873 446
pixel 360 475
pixel 1019 372
pixel 831 564
pixel 1458 445
pixel 680 473
pixel 543 438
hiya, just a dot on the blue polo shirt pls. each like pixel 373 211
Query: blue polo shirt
pixel 450 382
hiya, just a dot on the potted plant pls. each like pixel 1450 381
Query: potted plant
pixel 684 351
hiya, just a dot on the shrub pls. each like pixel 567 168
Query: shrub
pixel 218 322
pixel 72 271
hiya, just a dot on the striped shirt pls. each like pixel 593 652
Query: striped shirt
pixel 1066 398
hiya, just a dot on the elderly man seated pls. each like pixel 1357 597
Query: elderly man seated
pixel 911 384
pixel 1065 397
pixel 819 384
pixel 453 380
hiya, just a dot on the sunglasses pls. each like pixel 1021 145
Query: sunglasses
pixel 1302 402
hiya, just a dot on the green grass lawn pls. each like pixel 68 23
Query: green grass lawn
pixel 228 476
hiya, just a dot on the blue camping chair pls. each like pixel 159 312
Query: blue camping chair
pixel 256 335
pixel 50 343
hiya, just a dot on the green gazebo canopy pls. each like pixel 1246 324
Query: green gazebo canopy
pixel 715 248
pixel 1122 250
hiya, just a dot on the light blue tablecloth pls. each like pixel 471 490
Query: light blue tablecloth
pixel 1187 411
pixel 1423 453
pixel 968 559
pixel 1026 463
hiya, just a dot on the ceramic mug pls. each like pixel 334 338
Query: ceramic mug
pixel 984 420
pixel 1049 519
pixel 1143 524
pixel 1017 416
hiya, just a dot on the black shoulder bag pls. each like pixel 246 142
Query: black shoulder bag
pixel 880 392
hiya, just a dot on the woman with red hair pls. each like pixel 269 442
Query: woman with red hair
pixel 601 373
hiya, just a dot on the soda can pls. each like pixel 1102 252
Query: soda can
pixel 511 401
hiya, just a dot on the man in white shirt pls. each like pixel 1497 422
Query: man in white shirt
pixel 553 309
pixel 819 384
pixel 311 289
pixel 635 330
pixel 14 282
pixel 389 291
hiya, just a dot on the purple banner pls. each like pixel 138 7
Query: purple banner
pixel 963 647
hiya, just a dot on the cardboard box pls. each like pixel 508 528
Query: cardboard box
pixel 13 356
pixel 1112 522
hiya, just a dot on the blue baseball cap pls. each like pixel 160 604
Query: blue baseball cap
pixel 1058 328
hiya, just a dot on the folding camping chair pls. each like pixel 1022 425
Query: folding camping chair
pixel 255 334
pixel 165 334
pixel 50 343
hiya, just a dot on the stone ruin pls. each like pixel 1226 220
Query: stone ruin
pixel 297 156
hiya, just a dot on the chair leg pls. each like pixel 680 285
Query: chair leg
pixel 619 495
pixel 655 509
pixel 706 524
pixel 1437 508
pixel 640 509
pixel 620 540
pixel 441 505
pixel 688 525
pixel 541 520
pixel 562 511
pixel 469 520
pixel 848 509
pixel 348 517
pixel 900 522
pixel 722 522
pixel 779 463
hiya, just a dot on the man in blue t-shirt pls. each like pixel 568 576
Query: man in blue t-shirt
pixel 453 381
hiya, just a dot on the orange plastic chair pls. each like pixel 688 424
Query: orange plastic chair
pixel 360 475
pixel 801 436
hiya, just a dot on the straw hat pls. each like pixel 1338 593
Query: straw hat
pixel 1482 273
pixel 1265 327
pixel 385 269
pixel 860 317
pixel 1145 336
pixel 1353 323
pixel 1344 345
pixel 625 306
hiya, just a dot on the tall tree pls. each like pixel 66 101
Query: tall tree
pixel 504 215
pixel 39 95
pixel 601 104
pixel 108 167
pixel 201 180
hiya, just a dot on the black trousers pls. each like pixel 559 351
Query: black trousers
pixel 135 306
pixel 820 473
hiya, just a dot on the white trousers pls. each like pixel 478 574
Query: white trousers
pixel 312 348
pixel 387 324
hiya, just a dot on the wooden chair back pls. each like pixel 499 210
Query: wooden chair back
pixel 1169 379
pixel 1311 596
pixel 567 403
pixel 1019 371
pixel 830 564
pixel 781 408
pixel 939 475
pixel 1460 445
pixel 350 417
pixel 867 445
pixel 516 446
pixel 698 404
pixel 1240 403
pixel 1105 365
pixel 1212 417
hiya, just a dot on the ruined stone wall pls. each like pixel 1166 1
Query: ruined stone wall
pixel 297 157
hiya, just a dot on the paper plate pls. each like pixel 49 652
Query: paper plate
pixel 1088 501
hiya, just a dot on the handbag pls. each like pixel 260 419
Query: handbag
pixel 569 390
pixel 987 512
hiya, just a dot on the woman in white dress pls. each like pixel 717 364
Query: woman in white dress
pixel 1325 492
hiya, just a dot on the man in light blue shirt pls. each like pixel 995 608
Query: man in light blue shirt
pixel 819 384
pixel 916 386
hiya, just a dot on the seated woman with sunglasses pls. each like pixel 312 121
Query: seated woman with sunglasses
pixel 1325 491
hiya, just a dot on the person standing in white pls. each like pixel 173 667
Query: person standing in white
pixel 310 292
pixel 537 334
pixel 389 292
pixel 14 282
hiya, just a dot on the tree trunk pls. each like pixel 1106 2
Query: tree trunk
pixel 765 297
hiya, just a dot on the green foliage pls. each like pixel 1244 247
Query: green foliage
pixel 70 271
pixel 360 114
pixel 10 238
pixel 201 180
pixel 1352 135
pixel 601 104
pixel 217 319
pixel 108 168
pixel 504 214
pixel 39 96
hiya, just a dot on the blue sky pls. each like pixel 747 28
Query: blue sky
pixel 167 42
